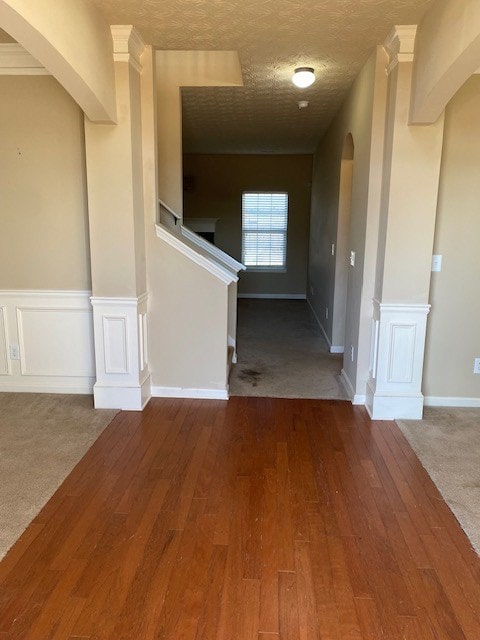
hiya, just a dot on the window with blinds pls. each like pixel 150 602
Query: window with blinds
pixel 264 230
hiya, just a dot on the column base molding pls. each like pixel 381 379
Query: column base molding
pixel 120 328
pixel 396 361
pixel 390 407
pixel 124 398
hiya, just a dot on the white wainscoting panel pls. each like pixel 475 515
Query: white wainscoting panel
pixel 123 380
pixel 57 353
pixel 4 359
pixel 398 343
pixel 115 333
pixel 52 333
pixel 402 352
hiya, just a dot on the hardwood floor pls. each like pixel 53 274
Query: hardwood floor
pixel 256 519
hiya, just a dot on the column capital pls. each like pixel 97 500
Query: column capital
pixel 128 45
pixel 400 45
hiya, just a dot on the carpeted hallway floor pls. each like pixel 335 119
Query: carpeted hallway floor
pixel 42 438
pixel 282 353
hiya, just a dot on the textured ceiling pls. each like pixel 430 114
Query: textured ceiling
pixel 272 37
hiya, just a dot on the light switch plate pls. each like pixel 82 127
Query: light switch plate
pixel 436 263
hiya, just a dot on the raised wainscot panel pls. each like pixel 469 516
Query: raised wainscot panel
pixel 116 344
pixel 402 353
pixel 55 341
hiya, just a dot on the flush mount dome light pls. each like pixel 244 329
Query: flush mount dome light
pixel 303 77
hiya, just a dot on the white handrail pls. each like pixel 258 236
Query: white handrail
pixel 213 250
pixel 170 211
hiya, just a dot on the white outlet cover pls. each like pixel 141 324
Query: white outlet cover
pixel 352 258
pixel 476 366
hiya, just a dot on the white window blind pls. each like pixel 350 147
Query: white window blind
pixel 264 230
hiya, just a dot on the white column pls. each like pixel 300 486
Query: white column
pixel 396 361
pixel 120 328
pixel 114 159
pixel 411 173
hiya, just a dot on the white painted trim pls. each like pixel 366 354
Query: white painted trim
pixel 84 388
pixel 422 309
pixel 119 302
pixel 337 349
pixel 220 255
pixel 393 407
pixel 400 45
pixel 43 293
pixel 125 398
pixel 221 273
pixel 273 296
pixel 128 45
pixel 165 206
pixel 178 392
pixel 442 401
pixel 123 381
pixel 16 61
pixel 63 318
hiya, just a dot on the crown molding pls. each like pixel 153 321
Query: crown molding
pixel 128 45
pixel 16 61
pixel 400 45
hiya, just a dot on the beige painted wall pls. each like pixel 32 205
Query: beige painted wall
pixel 187 330
pixel 220 181
pixel 116 212
pixel 453 335
pixel 73 41
pixel 175 69
pixel 447 52
pixel 363 115
pixel 43 214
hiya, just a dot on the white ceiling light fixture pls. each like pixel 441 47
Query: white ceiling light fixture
pixel 303 77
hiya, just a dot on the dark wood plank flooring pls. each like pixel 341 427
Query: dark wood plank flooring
pixel 256 519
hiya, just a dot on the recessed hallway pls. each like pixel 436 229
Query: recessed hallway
pixel 254 519
pixel 282 353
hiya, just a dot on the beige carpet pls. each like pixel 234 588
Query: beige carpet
pixel 42 438
pixel 282 353
pixel 447 442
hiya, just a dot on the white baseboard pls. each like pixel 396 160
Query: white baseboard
pixel 274 296
pixel 85 388
pixel 179 392
pixel 337 349
pixel 439 401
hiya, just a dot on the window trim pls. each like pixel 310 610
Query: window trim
pixel 266 268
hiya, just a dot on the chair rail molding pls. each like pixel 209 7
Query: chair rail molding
pixel 120 329
pixel 396 361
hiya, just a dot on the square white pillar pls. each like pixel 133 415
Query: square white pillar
pixel 120 327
